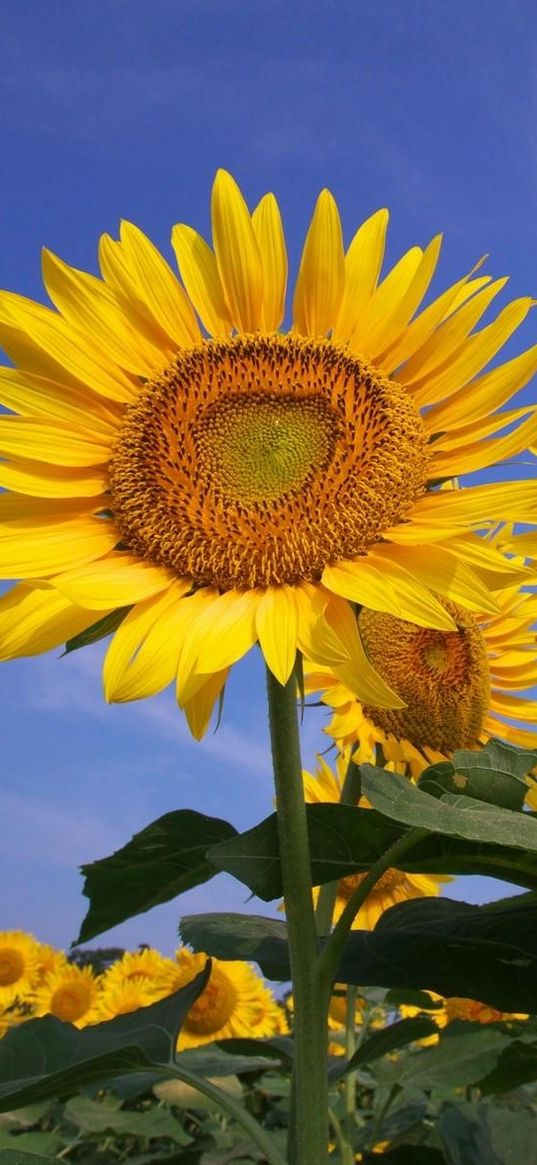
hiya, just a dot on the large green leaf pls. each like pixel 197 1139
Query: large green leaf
pixel 388 1039
pixel 451 948
pixel 461 1058
pixel 495 773
pixel 345 839
pixel 45 1057
pixel 457 816
pixel 17 1157
pixel 92 1116
pixel 163 860
pixel 239 936
pixel 517 1065
pixel 514 1133
pixel 428 944
pixel 466 1136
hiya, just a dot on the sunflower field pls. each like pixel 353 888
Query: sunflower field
pixel 191 474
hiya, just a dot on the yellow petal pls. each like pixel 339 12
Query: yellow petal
pixel 90 304
pixel 363 262
pixel 484 395
pixel 316 639
pixel 58 443
pixel 496 502
pixel 199 709
pixel 119 580
pixel 465 435
pixel 36 619
pixel 158 286
pixel 447 339
pixel 476 352
pixel 268 230
pixel 35 396
pixel 53 481
pixel 356 672
pixel 387 327
pixel 321 276
pixel 66 345
pixel 237 253
pixel 481 454
pixel 222 633
pixel 515 708
pixel 142 657
pixel 494 567
pixel 45 552
pixel 419 331
pixel 383 585
pixel 276 624
pixel 199 272
pixel 386 299
pixel 439 569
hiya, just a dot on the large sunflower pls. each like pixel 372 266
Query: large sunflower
pixel 393 886
pixel 207 482
pixel 461 687
pixel 235 1002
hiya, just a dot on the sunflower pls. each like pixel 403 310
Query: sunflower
pixel 148 966
pixel 70 993
pixel 122 996
pixel 49 959
pixel 393 885
pixel 235 1002
pixel 203 481
pixel 458 1008
pixel 461 687
pixel 19 966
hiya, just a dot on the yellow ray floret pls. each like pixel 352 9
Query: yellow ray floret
pixel 177 461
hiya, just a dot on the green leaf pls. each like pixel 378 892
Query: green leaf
pixel 92 1116
pixel 229 1057
pixel 163 860
pixel 45 1057
pixel 44 1143
pixel 16 1157
pixel 389 1039
pixel 465 1136
pixel 517 1065
pixel 239 936
pixel 401 1120
pixel 514 1134
pixel 99 630
pixel 451 948
pixel 457 816
pixel 494 774
pixel 459 1059
pixel 345 839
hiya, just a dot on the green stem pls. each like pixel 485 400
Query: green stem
pixel 309 1102
pixel 230 1106
pixel 382 1114
pixel 331 954
pixel 350 795
pixel 349 1086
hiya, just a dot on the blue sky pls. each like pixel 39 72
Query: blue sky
pixel 126 110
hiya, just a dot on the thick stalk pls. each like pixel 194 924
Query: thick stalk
pixel 349 1084
pixel 308 1142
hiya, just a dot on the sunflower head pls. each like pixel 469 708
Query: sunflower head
pixel 19 965
pixel 235 1002
pixel 204 481
pixel 70 993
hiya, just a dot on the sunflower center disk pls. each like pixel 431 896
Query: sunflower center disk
pixel 442 675
pixel 263 459
pixel 11 967
pixel 214 1006
pixel 71 1002
pixel 387 881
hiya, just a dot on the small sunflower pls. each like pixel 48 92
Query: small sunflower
pixel 458 1008
pixel 177 463
pixel 70 993
pixel 461 687
pixel 148 966
pixel 19 966
pixel 235 1002
pixel 49 959
pixel 123 996
pixel 393 886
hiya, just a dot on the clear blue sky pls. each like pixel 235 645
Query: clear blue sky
pixel 126 109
